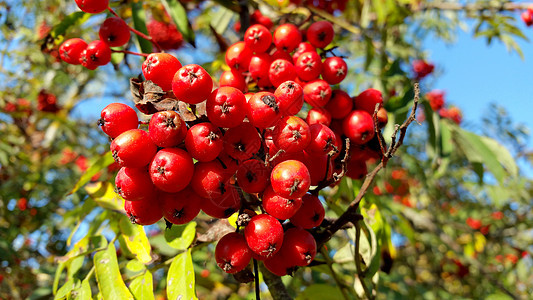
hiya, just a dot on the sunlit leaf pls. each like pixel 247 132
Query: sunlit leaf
pixel 320 291
pixel 108 276
pixel 180 278
pixel 179 15
pixel 102 162
pixel 139 23
pixel 104 195
pixel 181 236
pixel 135 239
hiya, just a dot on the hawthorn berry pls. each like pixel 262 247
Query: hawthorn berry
pixel 167 128
pixel 334 70
pixel 291 134
pixel 358 126
pixel 232 253
pixel 192 84
pixel 280 207
pixel 258 38
pixel 281 70
pixel 71 49
pixel 287 37
pixel 264 235
pixel 204 141
pixel 356 169
pixel 259 69
pixel 323 140
pixel 171 169
pixel 340 104
pixel 144 212
pixel 96 54
pixel 280 54
pixel 308 66
pixel 302 48
pixel 92 6
pixel 133 148
pixel 117 118
pixel 134 183
pixel 299 246
pixel 317 166
pixel 367 100
pixel 253 176
pixel 290 179
pixel 160 69
pixel 234 79
pixel 225 206
pixel 436 99
pixel 181 207
pixel 225 107
pixel 317 93
pixel 115 32
pixel 242 142
pixel 311 213
pixel 263 110
pixel 320 34
pixel 238 56
pixel 210 179
pixel 318 115
pixel 290 96
pixel 166 35
pixel 278 264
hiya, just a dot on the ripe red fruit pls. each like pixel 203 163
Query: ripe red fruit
pixel 86 61
pixel 92 6
pixel 264 235
pixel 133 148
pixel 232 253
pixel 317 93
pixel 204 141
pixel 356 169
pixel 527 17
pixel 263 110
pixel 323 140
pixel 317 166
pixel 117 118
pixel 234 79
pixel 134 184
pixel 225 206
pixel 473 223
pixel 259 69
pixel 291 134
pixel 115 32
pixel 320 34
pixel 242 142
pixel 308 66
pixel 210 179
pixel 318 115
pixel 280 54
pixel 290 96
pixel 280 207
pixel 253 176
pixel 225 107
pixel 302 48
pixel 171 169
pixel 290 179
pixel 422 68
pixel 334 70
pixel 238 56
pixel 71 49
pixel 455 115
pixel 367 100
pixel 47 102
pixel 160 69
pixel 358 126
pixel 436 99
pixel 144 212
pixel 192 84
pixel 166 35
pixel 311 213
pixel 167 129
pixel 258 38
pixel 287 37
pixel 340 104
pixel 280 71
pixel 97 53
pixel 181 207
pixel 299 246
pixel 278 264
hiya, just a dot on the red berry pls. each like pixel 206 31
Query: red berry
pixel 280 207
pixel 238 56
pixel 71 49
pixel 115 32
pixel 358 126
pixel 317 166
pixel 311 213
pixel 527 17
pixel 134 184
pixel 280 54
pixel 334 70
pixel 290 97
pixel 144 212
pixel 133 148
pixel 299 246
pixel 259 69
pixel 181 207
pixel 224 206
pixel 290 179
pixel 278 264
pixel 258 38
pixel 166 35
pixel 291 134
pixel 234 79
pixel 317 93
pixel 308 66
pixel 320 34
pixel 323 140
pixel 225 107
pixel 264 235
pixel 167 129
pixel 192 84
pixel 280 71
pixel 171 169
pixel 436 99
pixel 368 100
pixel 287 37
pixel 340 104
pixel 253 176
pixel 204 141
pixel 318 115
pixel 97 53
pixel 356 169
pixel 422 68
pixel 232 253
pixel 160 69
pixel 263 110
pixel 302 48
pixel 92 6
pixel 210 179
pixel 242 142
pixel 117 118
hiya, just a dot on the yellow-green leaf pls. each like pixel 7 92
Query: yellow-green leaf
pixel 180 278
pixel 181 236
pixel 104 195
pixel 141 287
pixel 102 162
pixel 108 276
pixel 135 239
pixel 82 292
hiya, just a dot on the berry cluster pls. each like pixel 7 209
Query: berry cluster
pixel 329 6
pixel 527 16
pixel 249 152
pixel 422 68
pixel 438 104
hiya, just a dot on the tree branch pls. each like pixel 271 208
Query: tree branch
pixel 275 285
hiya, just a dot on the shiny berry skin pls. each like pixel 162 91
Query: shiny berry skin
pixel 311 213
pixel 356 169
pixel 225 206
pixel 340 104
pixel 133 148
pixel 383 117
pixel 334 70
pixel 358 126
pixel 323 140
pixel 318 115
pixel 181 207
pixel 171 169
pixel 290 179
pixel 242 142
pixel 280 54
pixel 71 49
pixel 280 207
pixel 308 66
pixel 86 61
pixel 291 134
pixel 317 93
pixel 92 6
pixel 97 53
pixel 527 17
pixel 192 84
pixel 280 71
pixel 263 110
pixel 258 38
pixel 167 129
pixel 290 97
pixel 232 253
pixel 225 107
pixel 160 69
pixel 299 246
pixel 204 141
pixel 320 34
pixel 134 184
pixel 144 212
pixel 234 79
pixel 259 69
pixel 238 56
pixel 302 48
pixel 278 264
pixel 114 32
pixel 210 179
pixel 422 68
pixel 317 166
pixel 367 101
pixel 117 118
pixel 253 176
pixel 287 37
pixel 264 235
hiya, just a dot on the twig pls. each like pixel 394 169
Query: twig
pixel 130 52
pixel 341 285
pixel 275 285
pixel 360 273
pixel 256 275
pixel 137 32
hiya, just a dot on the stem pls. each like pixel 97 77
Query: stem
pixel 130 52
pixel 360 273
pixel 329 262
pixel 277 289
pixel 256 275
pixel 137 32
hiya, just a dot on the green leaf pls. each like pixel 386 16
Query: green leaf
pixel 135 239
pixel 180 278
pixel 104 195
pixel 179 15
pixel 74 19
pixel 222 19
pixel 498 296
pixel 181 236
pixel 320 291
pixel 108 276
pixel 102 162
pixel 503 155
pixel 139 23
pixel 142 286
pixel 82 292
pixel 67 288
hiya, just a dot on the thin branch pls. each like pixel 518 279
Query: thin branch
pixel 256 276
pixel 275 285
